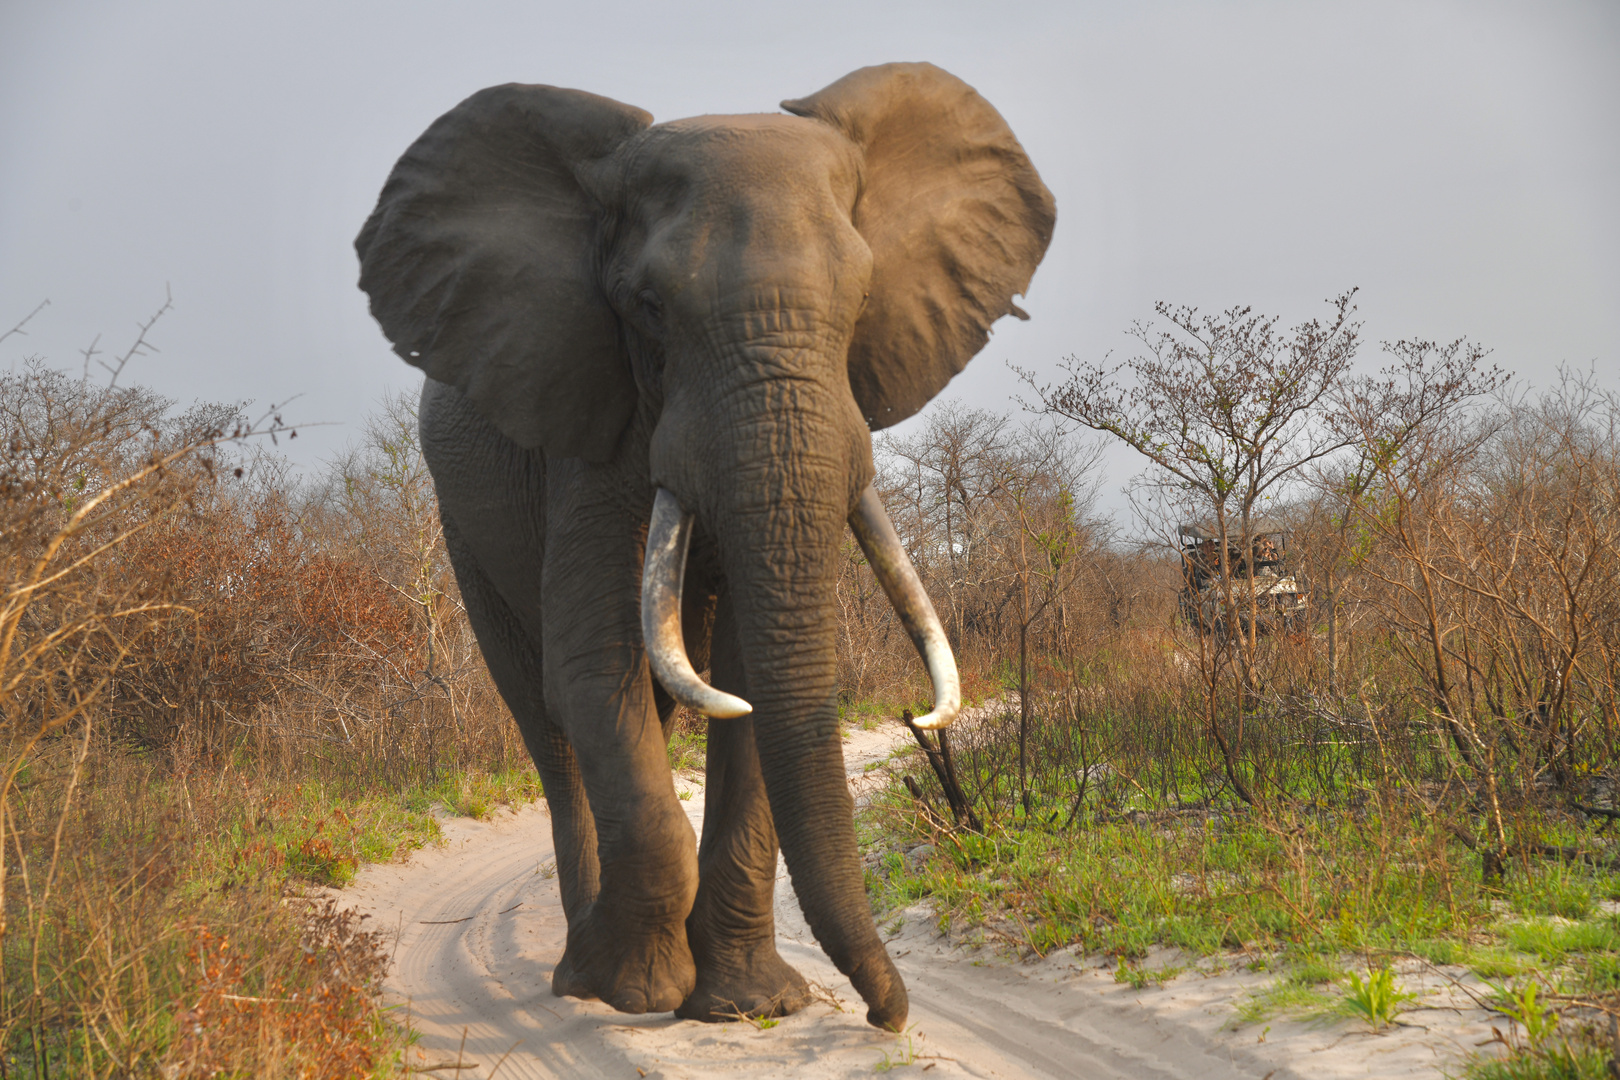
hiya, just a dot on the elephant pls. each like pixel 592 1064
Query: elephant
pixel 654 357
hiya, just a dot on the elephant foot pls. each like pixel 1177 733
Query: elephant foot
pixel 760 984
pixel 566 980
pixel 633 972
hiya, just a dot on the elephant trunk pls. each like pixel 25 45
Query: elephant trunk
pixel 780 558
pixel 774 486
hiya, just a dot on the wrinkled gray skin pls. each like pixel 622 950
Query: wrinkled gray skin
pixel 723 306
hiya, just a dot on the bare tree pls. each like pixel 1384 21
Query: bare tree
pixel 1046 489
pixel 1412 446
pixel 944 481
pixel 1228 412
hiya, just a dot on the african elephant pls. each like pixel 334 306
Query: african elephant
pixel 655 355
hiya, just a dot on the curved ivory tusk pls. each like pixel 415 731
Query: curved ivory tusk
pixel 894 572
pixel 662 572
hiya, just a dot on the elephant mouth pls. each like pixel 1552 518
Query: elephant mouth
pixel 669 535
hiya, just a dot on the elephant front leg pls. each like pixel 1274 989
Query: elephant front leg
pixel 629 948
pixel 732 928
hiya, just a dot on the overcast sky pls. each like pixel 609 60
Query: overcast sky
pixel 1460 162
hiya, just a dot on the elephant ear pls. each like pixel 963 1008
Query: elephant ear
pixel 955 215
pixel 478 262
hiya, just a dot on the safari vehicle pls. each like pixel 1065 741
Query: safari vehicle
pixel 1280 604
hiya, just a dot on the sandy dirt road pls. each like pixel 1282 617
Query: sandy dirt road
pixel 479 926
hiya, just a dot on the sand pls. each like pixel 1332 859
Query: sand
pixel 479 925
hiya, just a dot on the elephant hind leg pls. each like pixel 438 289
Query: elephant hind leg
pixel 514 659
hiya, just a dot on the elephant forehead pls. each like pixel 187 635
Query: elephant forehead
pixel 761 152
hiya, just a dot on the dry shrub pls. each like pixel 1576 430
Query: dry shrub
pixel 268 608
pixel 1489 582
pixel 88 473
pixel 1462 548
pixel 202 661
pixel 325 622
pixel 314 1014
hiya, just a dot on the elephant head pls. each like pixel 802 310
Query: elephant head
pixel 763 291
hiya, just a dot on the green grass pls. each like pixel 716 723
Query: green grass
pixel 868 715
pixel 477 793
pixel 1318 883
pixel 1598 974
pixel 1302 892
pixel 689 748
pixel 1558 1062
pixel 1205 887
pixel 1283 998
pixel 901 1057
pixel 1140 978
pixel 322 833
pixel 1313 969
pixel 1492 962
pixel 1556 889
pixel 1553 942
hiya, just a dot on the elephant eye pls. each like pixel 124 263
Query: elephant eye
pixel 652 308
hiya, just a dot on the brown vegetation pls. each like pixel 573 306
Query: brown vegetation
pixel 219 686
pixel 1460 544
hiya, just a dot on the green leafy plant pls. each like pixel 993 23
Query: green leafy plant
pixel 1524 1007
pixel 1375 999
pixel 760 1023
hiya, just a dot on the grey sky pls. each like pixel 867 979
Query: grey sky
pixel 1460 162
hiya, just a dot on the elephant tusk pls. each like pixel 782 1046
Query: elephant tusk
pixel 662 572
pixel 893 569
